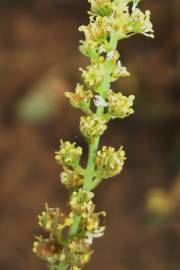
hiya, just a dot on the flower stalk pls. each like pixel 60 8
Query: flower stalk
pixel 71 235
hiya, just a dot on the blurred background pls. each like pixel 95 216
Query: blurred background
pixel 39 60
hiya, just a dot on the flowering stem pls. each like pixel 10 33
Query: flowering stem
pixel 110 21
pixel 93 147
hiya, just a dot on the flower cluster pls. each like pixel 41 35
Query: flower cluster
pixel 81 204
pixel 68 154
pixel 115 17
pixel 71 178
pixel 76 251
pixel 120 106
pixel 92 126
pixel 51 218
pixel 93 74
pixel 68 157
pixel 109 162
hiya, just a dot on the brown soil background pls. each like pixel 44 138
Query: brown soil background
pixel 39 49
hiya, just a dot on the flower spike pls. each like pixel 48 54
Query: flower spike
pixel 68 245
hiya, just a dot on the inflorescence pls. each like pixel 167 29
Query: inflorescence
pixel 68 244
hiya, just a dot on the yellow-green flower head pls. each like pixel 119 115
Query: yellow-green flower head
pixel 78 253
pixel 92 126
pixel 81 98
pixel 69 154
pixel 94 31
pixel 51 218
pixel 120 106
pixel 71 179
pixel 109 162
pixel 81 201
pixel 93 74
pixel 96 34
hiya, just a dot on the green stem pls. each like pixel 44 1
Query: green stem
pixel 91 164
pixel 74 228
pixel 95 183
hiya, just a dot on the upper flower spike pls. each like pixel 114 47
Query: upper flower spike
pixel 113 18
